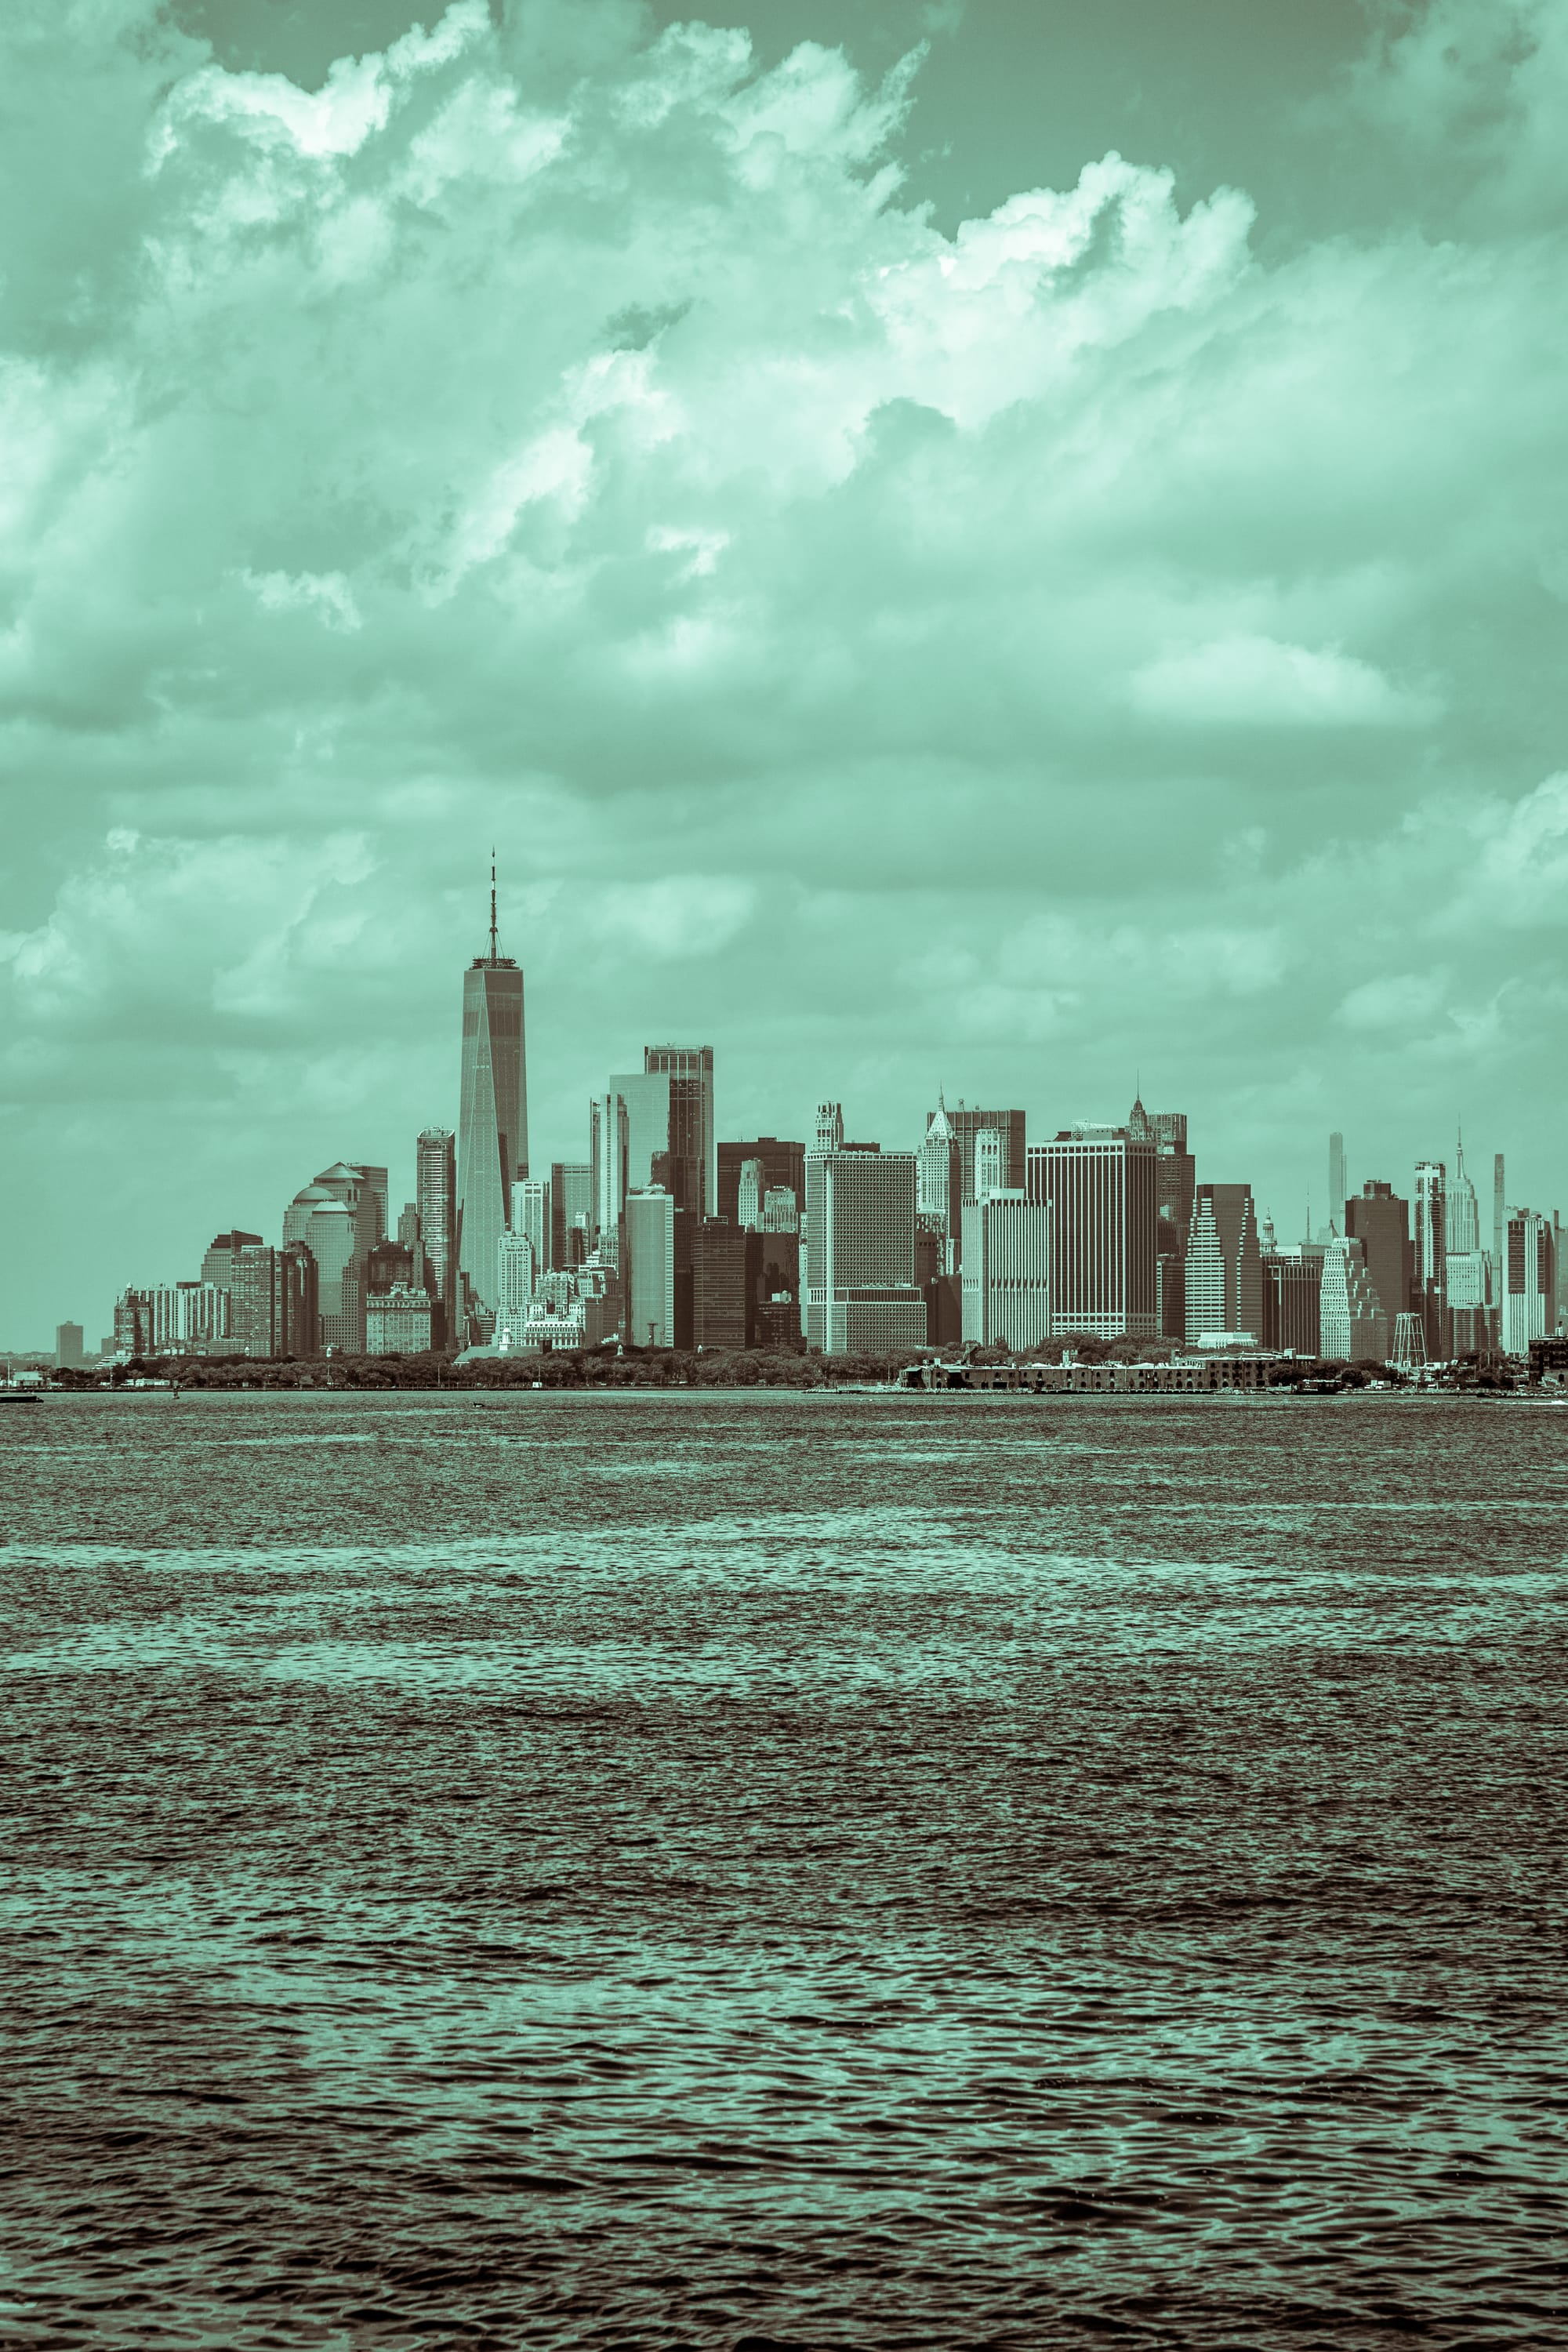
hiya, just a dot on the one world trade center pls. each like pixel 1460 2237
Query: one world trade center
pixel 492 1117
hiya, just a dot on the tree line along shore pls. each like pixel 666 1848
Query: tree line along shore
pixel 641 1367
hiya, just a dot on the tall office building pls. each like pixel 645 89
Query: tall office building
pixel 530 1216
pixel 1224 1266
pixel 648 1223
pixel 749 1195
pixel 217 1265
pixel 1006 1269
pixel 860 1293
pixel 1354 1327
pixel 1499 1213
pixel 1428 1296
pixel 1528 1286
pixel 646 1097
pixel 571 1212
pixel 829 1132
pixel 492 1112
pixel 68 1349
pixel 693 1136
pixel 1292 1298
pixel 726 1276
pixel 607 1147
pixel 990 1162
pixel 967 1126
pixel 254 1300
pixel 1338 1183
pixel 518 1270
pixel 939 1184
pixel 435 1197
pixel 1379 1219
pixel 1102 1189
pixel 782 1162
pixel 1175 1176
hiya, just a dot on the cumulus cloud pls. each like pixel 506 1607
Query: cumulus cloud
pixel 1257 682
pixel 1072 643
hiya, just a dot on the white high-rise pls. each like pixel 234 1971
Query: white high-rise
pixel 860 1289
pixel 1006 1269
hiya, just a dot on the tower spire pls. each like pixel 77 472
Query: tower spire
pixel 494 950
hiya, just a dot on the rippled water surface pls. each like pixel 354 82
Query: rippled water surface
pixel 786 1871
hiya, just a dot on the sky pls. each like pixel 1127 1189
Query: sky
pixel 1005 547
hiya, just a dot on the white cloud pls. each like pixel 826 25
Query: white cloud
pixel 1249 681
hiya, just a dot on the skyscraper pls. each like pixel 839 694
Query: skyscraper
pixel 571 1212
pixel 1352 1325
pixel 67 1345
pixel 939 1182
pixel 1428 1296
pixel 608 1150
pixel 1380 1220
pixel 748 1194
pixel 435 1197
pixel 783 1165
pixel 990 1162
pixel 967 1125
pixel 218 1263
pixel 1224 1265
pixel 1529 1285
pixel 860 1293
pixel 1102 1187
pixel 492 1114
pixel 646 1095
pixel 649 1229
pixel 1007 1270
pixel 693 1137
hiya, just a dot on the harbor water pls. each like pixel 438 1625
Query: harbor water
pixel 749 1872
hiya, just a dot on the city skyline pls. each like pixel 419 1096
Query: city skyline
pixel 1104 1231
pixel 1000 1130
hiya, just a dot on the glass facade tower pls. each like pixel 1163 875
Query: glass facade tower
pixel 493 1116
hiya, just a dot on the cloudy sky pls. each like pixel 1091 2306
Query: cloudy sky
pixel 1007 547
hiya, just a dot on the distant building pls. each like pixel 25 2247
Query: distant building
pixel 335 1234
pixel 400 1321
pixel 861 1252
pixel 1224 1272
pixel 990 1164
pixel 1005 1270
pixel 1529 1281
pixel 649 1229
pixel 1467 1277
pixel 571 1212
pixel 607 1132
pixel 966 1125
pixel 492 1115
pixel 693 1136
pixel 1292 1298
pixel 784 1168
pixel 68 1351
pixel 939 1184
pixel 780 1211
pixel 726 1281
pixel 830 1128
pixel 1175 1176
pixel 1102 1188
pixel 180 1319
pixel 1354 1327
pixel 1380 1220
pixel 1429 1291
pixel 517 1281
pixel 436 1198
pixel 217 1265
pixel 749 1195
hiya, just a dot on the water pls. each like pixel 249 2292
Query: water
pixel 783 1871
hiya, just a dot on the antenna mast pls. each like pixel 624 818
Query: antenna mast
pixel 493 948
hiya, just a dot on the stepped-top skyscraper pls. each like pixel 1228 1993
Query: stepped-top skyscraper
pixel 493 1116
